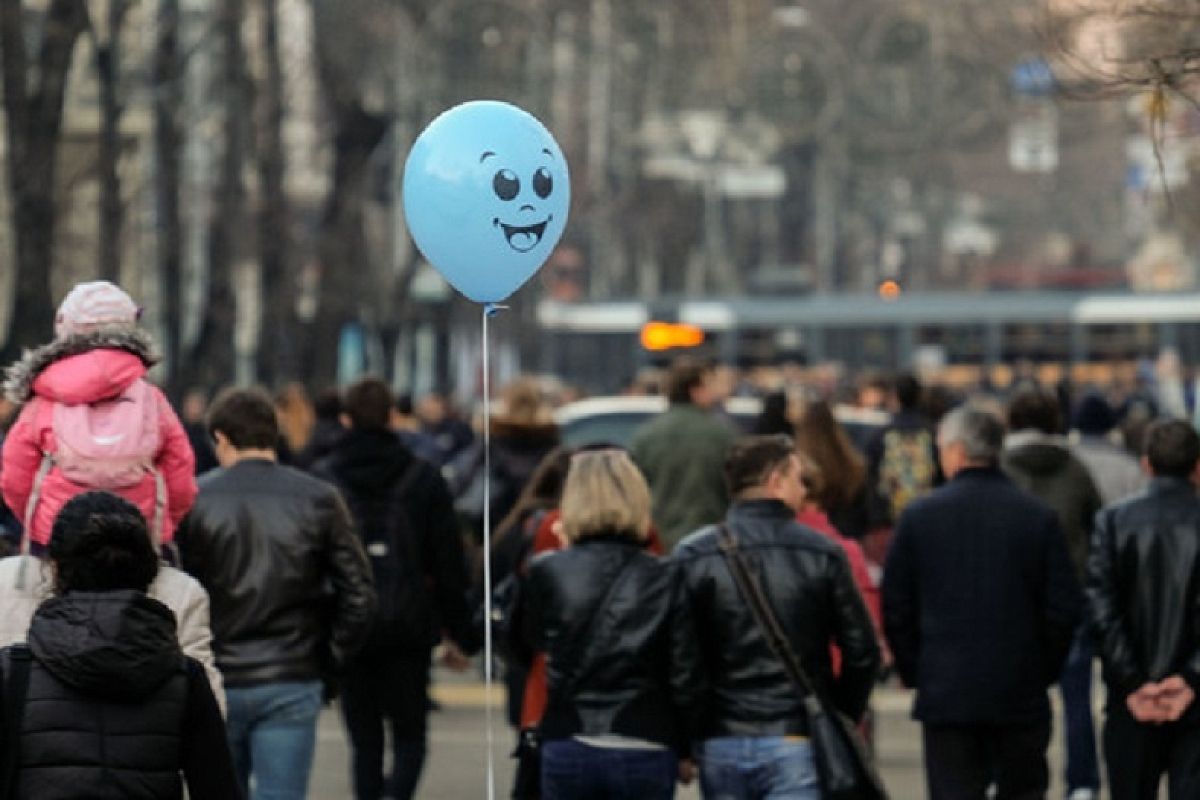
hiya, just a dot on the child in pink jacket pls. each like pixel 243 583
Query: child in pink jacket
pixel 119 433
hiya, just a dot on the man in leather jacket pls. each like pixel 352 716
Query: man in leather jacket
pixel 979 606
pixel 1143 574
pixel 290 587
pixel 748 724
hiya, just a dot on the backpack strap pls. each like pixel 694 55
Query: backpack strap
pixel 35 496
pixel 15 663
pixel 160 508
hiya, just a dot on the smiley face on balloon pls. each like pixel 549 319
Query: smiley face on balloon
pixel 486 196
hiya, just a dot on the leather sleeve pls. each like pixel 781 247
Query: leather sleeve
pixel 1105 614
pixel 350 575
pixel 901 603
pixel 688 677
pixel 1062 599
pixel 855 636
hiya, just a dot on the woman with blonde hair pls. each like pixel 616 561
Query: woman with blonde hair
pixel 601 611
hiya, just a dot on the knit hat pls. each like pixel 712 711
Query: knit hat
pixel 1094 416
pixel 92 305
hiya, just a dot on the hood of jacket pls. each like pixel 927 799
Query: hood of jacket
pixel 369 462
pixel 81 368
pixel 118 645
pixel 1036 453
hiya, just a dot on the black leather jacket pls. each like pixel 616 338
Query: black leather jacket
pixel 1143 574
pixel 607 674
pixel 289 582
pixel 807 579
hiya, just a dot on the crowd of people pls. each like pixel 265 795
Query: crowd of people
pixel 188 593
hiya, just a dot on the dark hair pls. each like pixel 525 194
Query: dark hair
pixel 1172 448
pixel 1094 416
pixel 752 459
pixel 821 436
pixel 100 543
pixel 328 404
pixel 685 374
pixel 542 493
pixel 368 403
pixel 908 391
pixel 1033 407
pixel 246 417
pixel 403 403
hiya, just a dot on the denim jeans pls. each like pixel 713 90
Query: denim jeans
pixel 758 768
pixel 573 770
pixel 272 732
pixel 1075 683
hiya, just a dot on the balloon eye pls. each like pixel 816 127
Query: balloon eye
pixel 543 184
pixel 506 185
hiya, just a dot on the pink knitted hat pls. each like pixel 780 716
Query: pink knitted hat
pixel 92 305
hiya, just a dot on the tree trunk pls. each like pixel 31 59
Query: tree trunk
pixel 168 100
pixel 342 247
pixel 34 111
pixel 211 361
pixel 108 69
pixel 277 339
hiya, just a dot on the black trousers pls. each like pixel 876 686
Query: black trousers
pixel 1137 755
pixel 961 761
pixel 392 688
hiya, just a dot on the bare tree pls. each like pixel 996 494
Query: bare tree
pixel 108 74
pixel 34 89
pixel 168 143
pixel 276 350
pixel 211 361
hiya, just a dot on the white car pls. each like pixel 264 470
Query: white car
pixel 615 419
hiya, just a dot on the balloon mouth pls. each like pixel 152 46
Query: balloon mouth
pixel 523 238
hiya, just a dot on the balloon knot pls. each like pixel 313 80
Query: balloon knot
pixel 492 309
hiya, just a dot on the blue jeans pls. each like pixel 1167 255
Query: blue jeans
pixel 272 732
pixel 758 768
pixel 1075 683
pixel 572 770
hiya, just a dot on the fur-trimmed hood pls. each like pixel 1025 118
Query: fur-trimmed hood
pixel 20 376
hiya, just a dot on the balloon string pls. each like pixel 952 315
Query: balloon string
pixel 489 310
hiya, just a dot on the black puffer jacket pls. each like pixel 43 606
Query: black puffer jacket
pixel 606 674
pixel 289 582
pixel 114 709
pixel 807 579
pixel 1143 578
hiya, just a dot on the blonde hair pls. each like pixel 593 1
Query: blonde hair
pixel 605 492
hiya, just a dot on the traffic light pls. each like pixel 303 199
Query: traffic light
pixel 890 289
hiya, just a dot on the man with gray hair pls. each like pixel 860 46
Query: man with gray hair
pixel 979 604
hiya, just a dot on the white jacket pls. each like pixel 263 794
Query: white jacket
pixel 25 581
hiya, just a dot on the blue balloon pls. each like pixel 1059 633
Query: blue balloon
pixel 486 195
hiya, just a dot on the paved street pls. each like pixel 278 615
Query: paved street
pixel 456 766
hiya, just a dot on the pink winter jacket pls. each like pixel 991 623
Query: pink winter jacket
pixel 84 369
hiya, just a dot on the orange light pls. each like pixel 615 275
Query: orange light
pixel 889 290
pixel 666 335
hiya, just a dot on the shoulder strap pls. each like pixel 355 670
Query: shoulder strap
pixel 14 678
pixel 754 596
pixel 589 637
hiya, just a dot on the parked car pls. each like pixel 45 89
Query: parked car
pixel 616 419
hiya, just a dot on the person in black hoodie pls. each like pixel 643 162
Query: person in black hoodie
pixel 111 706
pixel 405 517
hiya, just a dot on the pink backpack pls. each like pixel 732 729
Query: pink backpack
pixel 109 445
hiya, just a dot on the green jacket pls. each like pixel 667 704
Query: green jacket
pixel 682 454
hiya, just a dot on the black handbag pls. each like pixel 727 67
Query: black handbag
pixel 844 767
